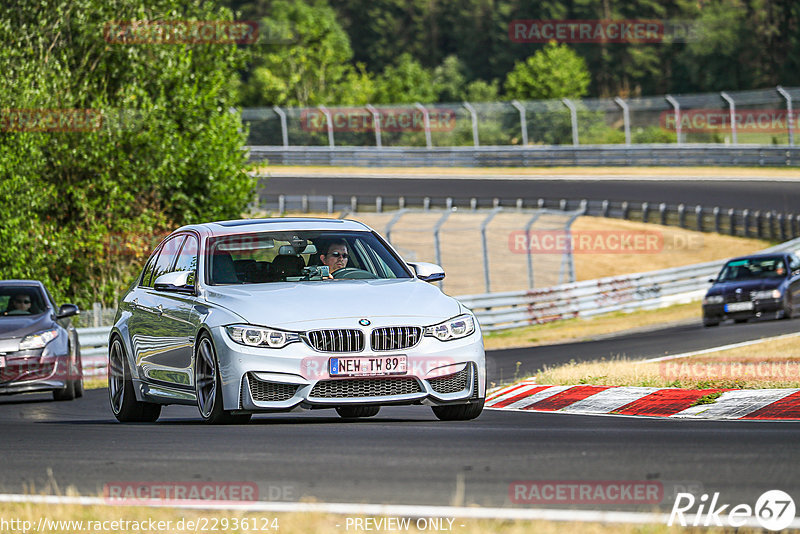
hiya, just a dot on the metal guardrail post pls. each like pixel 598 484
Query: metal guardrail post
pixel 353 204
pixel 625 210
pixel 448 203
pixel 626 119
pixel 329 120
pixel 281 204
pixel 426 203
pixel 523 125
pixel 330 203
pixel 698 213
pixel 789 116
pixel 781 227
pixel 732 106
pixel 662 212
pixel 681 216
pixel 732 221
pixel 645 211
pixel 378 204
pixel 304 203
pixel 376 122
pixel 573 116
pixel 528 226
pixel 485 246
pixel 746 224
pixel 426 118
pixel 569 257
pixel 473 204
pixel 474 115
pixel 674 103
pixel 605 208
pixel 770 227
pixel 436 243
pixel 759 224
pixel 284 126
pixel 717 227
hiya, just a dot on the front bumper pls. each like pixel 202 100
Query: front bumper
pixel 31 371
pixel 296 376
pixel 761 308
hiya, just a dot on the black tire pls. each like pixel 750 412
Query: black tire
pixel 121 396
pixel 67 393
pixel 458 412
pixel 788 308
pixel 352 412
pixel 208 387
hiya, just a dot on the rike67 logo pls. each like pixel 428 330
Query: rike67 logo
pixel 774 510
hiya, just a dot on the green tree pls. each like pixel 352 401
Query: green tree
pixel 165 149
pixel 405 82
pixel 553 72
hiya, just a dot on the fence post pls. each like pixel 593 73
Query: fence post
pixel 523 126
pixel 426 203
pixel 626 119
pixel 392 222
pixel 378 204
pixel 759 224
pixel 573 116
pixel 519 204
pixel 304 203
pixel 698 212
pixel 625 210
pixel 732 106
pixel 781 227
pixel 562 204
pixel 376 121
pixel 770 227
pixel 473 204
pixel 645 211
pixel 528 243
pixel 281 204
pixel 330 203
pixel 717 220
pixel 436 242
pixel 353 204
pixel 329 120
pixel 485 246
pixel 284 127
pixel 674 103
pixel 97 314
pixel 426 118
pixel 662 212
pixel 732 221
pixel 569 257
pixel 448 203
pixel 401 203
pixel 789 116
pixel 474 115
pixel 604 208
pixel 681 216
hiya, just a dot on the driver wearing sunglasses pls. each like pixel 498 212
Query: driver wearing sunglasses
pixel 20 305
pixel 335 257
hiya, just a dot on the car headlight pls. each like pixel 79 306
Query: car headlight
pixel 768 294
pixel 256 336
pixel 456 328
pixel 714 299
pixel 38 340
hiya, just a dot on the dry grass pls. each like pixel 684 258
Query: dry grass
pixel 771 363
pixel 288 523
pixel 586 329
pixel 680 247
pixel 726 172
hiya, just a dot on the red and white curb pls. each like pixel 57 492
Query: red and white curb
pixel 763 404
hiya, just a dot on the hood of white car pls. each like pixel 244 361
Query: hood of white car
pixel 327 304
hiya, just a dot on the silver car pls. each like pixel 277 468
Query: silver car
pixel 274 315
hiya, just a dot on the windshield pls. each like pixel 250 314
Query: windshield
pixel 18 300
pixel 300 256
pixel 772 267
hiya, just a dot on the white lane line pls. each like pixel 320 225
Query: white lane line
pixel 402 510
pixel 735 404
pixel 609 400
pixel 723 347
pixel 536 397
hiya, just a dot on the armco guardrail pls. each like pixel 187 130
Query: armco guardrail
pixel 503 156
pixel 499 311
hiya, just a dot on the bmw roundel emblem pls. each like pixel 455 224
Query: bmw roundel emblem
pixel 364 322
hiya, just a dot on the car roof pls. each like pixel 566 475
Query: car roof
pixel 31 283
pixel 761 256
pixel 276 224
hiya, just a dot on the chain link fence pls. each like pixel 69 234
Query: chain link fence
pixel 764 117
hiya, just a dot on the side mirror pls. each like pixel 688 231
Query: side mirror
pixel 712 280
pixel 176 282
pixel 428 272
pixel 67 310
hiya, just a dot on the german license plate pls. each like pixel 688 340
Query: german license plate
pixel 368 366
pixel 738 306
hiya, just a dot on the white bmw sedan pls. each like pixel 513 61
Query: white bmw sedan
pixel 274 315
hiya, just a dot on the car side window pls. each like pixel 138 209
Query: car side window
pixel 148 270
pixel 187 258
pixel 166 259
pixel 794 263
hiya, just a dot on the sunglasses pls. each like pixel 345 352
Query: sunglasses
pixel 26 301
pixel 339 255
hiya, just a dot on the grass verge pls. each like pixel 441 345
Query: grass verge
pixel 139 520
pixel 772 363
pixel 571 330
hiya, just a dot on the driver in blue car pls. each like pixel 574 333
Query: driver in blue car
pixel 335 255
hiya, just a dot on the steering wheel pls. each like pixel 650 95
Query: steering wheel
pixel 351 273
